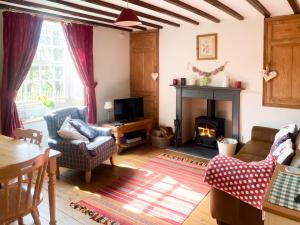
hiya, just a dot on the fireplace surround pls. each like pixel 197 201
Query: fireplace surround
pixel 209 93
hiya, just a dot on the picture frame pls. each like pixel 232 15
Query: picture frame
pixel 207 46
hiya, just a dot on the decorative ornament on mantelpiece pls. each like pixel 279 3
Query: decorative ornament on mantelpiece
pixel 205 80
pixel 192 81
pixel 267 74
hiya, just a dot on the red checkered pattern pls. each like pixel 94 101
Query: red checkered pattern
pixel 245 181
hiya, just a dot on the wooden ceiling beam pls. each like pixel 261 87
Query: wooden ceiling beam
pixel 294 5
pixel 259 7
pixel 162 10
pixel 225 9
pixel 193 10
pixel 86 16
pixel 115 7
pixel 56 16
pixel 72 13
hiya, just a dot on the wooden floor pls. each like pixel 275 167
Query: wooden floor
pixel 71 187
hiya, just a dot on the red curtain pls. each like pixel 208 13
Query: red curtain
pixel 80 43
pixel 21 33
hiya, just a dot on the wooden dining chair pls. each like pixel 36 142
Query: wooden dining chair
pixel 21 190
pixel 30 135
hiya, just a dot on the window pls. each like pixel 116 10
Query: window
pixel 52 76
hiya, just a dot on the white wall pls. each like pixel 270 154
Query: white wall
pixel 111 66
pixel 241 44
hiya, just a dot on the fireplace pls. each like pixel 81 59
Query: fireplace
pixel 209 128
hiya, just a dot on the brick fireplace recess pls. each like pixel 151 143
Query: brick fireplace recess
pixel 209 128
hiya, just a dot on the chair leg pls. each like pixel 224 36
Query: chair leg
pixel 88 176
pixel 57 173
pixel 20 221
pixel 35 216
pixel 112 160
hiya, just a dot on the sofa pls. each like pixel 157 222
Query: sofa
pixel 77 154
pixel 225 208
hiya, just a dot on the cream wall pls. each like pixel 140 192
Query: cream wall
pixel 111 66
pixel 241 44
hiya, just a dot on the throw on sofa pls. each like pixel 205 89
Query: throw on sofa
pixel 77 154
pixel 229 210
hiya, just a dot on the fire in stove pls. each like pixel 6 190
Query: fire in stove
pixel 206 132
pixel 208 128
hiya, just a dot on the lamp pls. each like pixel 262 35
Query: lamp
pixel 108 107
pixel 127 18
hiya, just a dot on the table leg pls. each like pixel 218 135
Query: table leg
pixel 118 137
pixel 52 189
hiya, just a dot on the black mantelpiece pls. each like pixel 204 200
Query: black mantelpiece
pixel 207 92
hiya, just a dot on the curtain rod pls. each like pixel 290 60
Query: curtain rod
pixel 50 18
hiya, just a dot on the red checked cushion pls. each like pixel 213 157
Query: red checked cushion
pixel 245 181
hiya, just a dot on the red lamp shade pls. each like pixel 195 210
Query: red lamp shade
pixel 127 18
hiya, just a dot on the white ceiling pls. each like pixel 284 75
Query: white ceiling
pixel 275 7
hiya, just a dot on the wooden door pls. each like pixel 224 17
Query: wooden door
pixel 143 63
pixel 282 54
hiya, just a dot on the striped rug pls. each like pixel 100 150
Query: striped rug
pixel 166 188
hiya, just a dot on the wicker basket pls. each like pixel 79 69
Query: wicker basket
pixel 160 142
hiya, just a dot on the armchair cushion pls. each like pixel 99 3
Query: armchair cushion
pixel 100 144
pixel 67 131
pixel 102 131
pixel 83 128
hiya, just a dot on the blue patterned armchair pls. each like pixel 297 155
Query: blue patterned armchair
pixel 77 154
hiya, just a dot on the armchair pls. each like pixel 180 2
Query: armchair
pixel 77 154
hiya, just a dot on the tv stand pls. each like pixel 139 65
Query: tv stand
pixel 118 130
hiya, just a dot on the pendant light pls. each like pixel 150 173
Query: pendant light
pixel 127 18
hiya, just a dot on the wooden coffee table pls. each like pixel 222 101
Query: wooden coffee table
pixel 119 131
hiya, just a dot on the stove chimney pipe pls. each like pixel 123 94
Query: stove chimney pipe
pixel 211 106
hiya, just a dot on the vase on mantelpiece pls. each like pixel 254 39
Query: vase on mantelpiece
pixel 192 81
pixel 226 81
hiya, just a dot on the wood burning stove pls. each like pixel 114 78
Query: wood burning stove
pixel 209 128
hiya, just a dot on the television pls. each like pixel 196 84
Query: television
pixel 128 109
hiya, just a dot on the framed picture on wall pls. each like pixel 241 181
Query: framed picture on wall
pixel 207 46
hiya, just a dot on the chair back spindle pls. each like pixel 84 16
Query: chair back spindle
pixel 30 135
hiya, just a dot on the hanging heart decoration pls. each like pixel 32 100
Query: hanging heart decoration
pixel 207 74
pixel 268 75
pixel 154 76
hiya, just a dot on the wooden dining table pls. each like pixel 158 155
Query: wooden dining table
pixel 14 151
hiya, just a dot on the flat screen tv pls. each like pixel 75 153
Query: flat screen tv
pixel 128 109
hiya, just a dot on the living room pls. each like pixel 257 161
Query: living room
pixel 150 112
